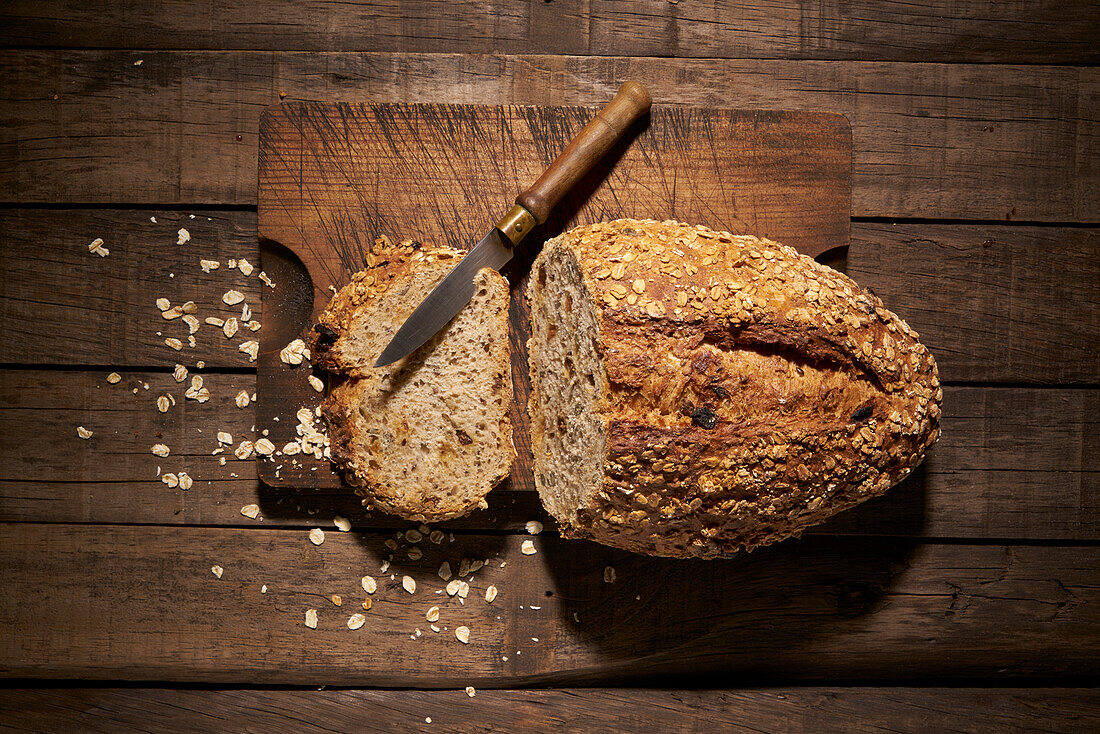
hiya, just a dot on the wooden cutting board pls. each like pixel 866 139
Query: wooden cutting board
pixel 333 177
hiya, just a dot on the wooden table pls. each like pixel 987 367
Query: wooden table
pixel 968 598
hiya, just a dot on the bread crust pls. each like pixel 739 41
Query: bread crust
pixel 750 392
pixel 355 381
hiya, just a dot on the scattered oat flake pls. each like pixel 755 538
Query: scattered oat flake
pixel 264 447
pixel 263 589
pixel 267 281
pixel 367 603
pixel 470 691
pixel 179 374
pixel 527 548
pixel 317 536
pixel 253 325
pixel 252 349
pixel 244 266
pixel 608 575
pixel 337 599
pixel 185 480
pixel 316 383
pixel 242 399
pixel 415 554
pixel 432 615
pixel 356 621
pixel 160 450
pixel 462 634
pixel 139 62
pixel 83 432
pixel 251 511
pixel 225 437
pixel 445 571
pixel 534 527
pixel 408 583
pixel 184 237
pixel 453 587
pixel 341 522
pixel 171 480
pixel 208 265
pixel 163 304
pixel 293 353
pixel 217 570
pixel 436 536
pixel 246 313
pixel 163 404
pixel 291 448
pixel 413 536
pixel 369 584
pixel 96 247
pixel 491 594
pixel 174 343
pixel 230 327
pixel 114 378
pixel 311 618
pixel 215 321
pixel 232 297
pixel 192 323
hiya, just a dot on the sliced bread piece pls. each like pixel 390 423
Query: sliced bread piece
pixel 428 436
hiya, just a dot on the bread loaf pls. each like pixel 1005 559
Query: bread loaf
pixel 696 393
pixel 428 436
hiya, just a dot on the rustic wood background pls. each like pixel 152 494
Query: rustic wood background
pixel 965 599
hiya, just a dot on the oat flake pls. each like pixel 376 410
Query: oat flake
pixel 462 634
pixel 490 594
pixel 356 621
pixel 317 536
pixel 311 618
pixel 232 297
pixel 527 548
pixel 369 584
pixel 408 583
pixel 251 511
pixel 114 378
pixel 160 450
pixel 534 527
pixel 185 480
pixel 217 570
pixel 183 237
pixel 316 383
pixel 342 522
pixel 83 432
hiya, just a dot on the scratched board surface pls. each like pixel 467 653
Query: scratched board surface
pixel 334 177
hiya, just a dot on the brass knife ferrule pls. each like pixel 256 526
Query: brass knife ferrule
pixel 516 224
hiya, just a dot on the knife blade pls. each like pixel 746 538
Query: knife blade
pixel 532 207
pixel 447 298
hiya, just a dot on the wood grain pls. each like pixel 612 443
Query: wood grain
pixel 140 603
pixel 934 141
pixel 963 288
pixel 1012 463
pixel 935 30
pixel 935 276
pixel 61 304
pixel 595 710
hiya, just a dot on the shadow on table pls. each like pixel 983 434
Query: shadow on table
pixel 750 614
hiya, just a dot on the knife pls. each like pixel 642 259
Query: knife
pixel 532 207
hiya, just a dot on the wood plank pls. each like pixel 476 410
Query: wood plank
pixel 938 277
pixel 595 710
pixel 935 141
pixel 140 603
pixel 934 30
pixel 63 305
pixel 993 305
pixel 1012 463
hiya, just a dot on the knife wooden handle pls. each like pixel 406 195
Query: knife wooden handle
pixel 631 102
